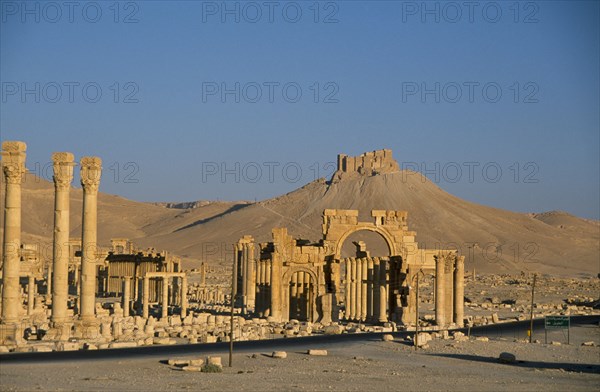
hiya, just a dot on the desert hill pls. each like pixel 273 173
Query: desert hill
pixel 493 240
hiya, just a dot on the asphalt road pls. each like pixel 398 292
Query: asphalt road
pixel 514 329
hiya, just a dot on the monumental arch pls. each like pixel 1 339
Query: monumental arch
pixel 289 278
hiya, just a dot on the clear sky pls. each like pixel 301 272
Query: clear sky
pixel 497 101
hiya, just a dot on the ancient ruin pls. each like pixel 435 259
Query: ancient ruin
pixel 122 296
pixel 80 272
pixel 293 279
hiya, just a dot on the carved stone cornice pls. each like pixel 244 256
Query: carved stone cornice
pixel 13 161
pixel 63 163
pixel 91 171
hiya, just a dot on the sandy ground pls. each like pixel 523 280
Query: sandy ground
pixel 368 365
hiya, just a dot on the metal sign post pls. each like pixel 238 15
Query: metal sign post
pixel 557 322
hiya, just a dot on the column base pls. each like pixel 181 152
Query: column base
pixel 11 334
pixel 60 331
pixel 87 329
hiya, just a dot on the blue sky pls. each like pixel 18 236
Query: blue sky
pixel 188 100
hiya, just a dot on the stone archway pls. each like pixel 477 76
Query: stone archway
pixel 300 294
pixel 338 225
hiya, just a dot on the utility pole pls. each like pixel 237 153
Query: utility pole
pixel 531 313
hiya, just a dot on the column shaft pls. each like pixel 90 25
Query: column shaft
pixel 353 290
pixel 146 297
pixel 63 175
pixel 370 289
pixel 276 309
pixel 347 289
pixel 13 168
pixel 459 291
pixel 165 297
pixel 126 296
pixel 376 291
pixel 91 169
pixel 30 294
pixel 184 301
pixel 440 291
pixel 383 317
pixel 363 293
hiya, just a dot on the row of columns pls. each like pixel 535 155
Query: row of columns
pixel 449 290
pixel 246 273
pixel 263 283
pixel 13 168
pixel 91 171
pixel 165 277
pixel 366 289
pixel 301 296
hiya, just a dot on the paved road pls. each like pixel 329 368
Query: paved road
pixel 514 329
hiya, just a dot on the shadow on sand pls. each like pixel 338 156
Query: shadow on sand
pixel 568 367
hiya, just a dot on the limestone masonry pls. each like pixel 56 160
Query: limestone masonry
pixel 86 296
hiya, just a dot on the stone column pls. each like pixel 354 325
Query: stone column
pixel 165 297
pixel 439 291
pixel 126 295
pixel 268 288
pixel 449 289
pixel 276 287
pixel 459 291
pixel 376 291
pixel 353 289
pixel 49 285
pixel 347 289
pixel 383 298
pixel 30 294
pixel 184 301
pixel 91 170
pixel 13 168
pixel 359 279
pixel 146 297
pixel 243 275
pixel 251 276
pixel 63 175
pixel 370 289
pixel 203 275
pixel 363 293
pixel 294 292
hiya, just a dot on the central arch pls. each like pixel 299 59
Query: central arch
pixel 389 240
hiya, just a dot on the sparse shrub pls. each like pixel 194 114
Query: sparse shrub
pixel 211 368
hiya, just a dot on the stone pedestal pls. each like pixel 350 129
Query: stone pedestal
pixel 87 329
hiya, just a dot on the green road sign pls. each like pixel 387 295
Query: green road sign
pixel 557 322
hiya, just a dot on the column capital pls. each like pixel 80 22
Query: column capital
pixel 91 171
pixel 63 163
pixel 13 161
